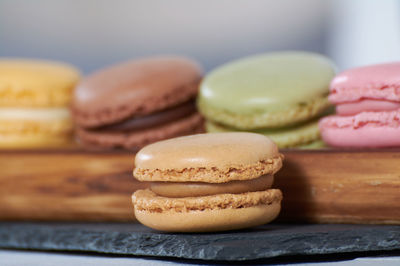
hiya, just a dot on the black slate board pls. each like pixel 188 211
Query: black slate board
pixel 267 241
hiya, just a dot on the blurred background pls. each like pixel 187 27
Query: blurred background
pixel 94 33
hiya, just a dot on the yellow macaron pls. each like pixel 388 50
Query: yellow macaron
pixel 34 101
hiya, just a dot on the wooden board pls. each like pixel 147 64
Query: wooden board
pixel 341 186
pixel 323 186
pixel 66 185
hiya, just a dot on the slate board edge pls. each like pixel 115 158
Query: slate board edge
pixel 177 246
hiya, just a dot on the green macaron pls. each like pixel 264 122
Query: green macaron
pixel 275 94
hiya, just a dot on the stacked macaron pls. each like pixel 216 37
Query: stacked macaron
pixel 208 182
pixel 368 108
pixel 138 102
pixel 34 100
pixel 280 95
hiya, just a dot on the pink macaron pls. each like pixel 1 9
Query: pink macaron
pixel 367 103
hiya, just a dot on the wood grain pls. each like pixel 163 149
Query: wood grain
pixel 325 186
pixel 341 186
pixel 69 185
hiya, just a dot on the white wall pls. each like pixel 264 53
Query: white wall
pixel 93 33
pixel 364 32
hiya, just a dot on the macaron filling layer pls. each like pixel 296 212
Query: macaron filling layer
pixel 151 120
pixel 35 122
pixel 195 189
pixel 34 113
pixel 28 127
pixel 352 108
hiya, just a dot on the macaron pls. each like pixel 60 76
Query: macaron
pixel 281 92
pixel 134 103
pixel 367 103
pixel 208 182
pixel 34 103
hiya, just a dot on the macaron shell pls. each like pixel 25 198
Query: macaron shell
pixel 364 119
pixel 207 150
pixel 212 174
pixel 370 82
pixel 267 83
pixel 136 87
pixel 290 116
pixel 283 137
pixel 371 137
pixel 352 108
pixel 36 83
pixel 210 220
pixel 206 214
pixel 137 139
pixel 366 129
pixel 213 158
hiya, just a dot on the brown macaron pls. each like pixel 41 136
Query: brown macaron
pixel 138 102
pixel 208 182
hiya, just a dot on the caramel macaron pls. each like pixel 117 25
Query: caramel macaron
pixel 208 182
pixel 138 102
